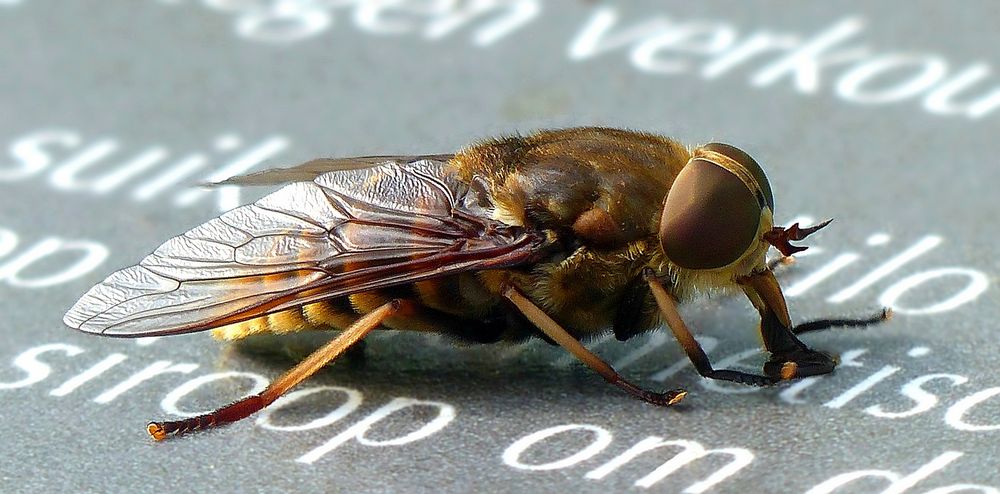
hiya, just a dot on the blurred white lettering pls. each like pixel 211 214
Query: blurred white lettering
pixel 74 164
pixel 43 263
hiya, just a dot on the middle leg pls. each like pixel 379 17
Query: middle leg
pixel 694 351
pixel 553 330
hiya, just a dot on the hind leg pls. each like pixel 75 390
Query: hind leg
pixel 254 403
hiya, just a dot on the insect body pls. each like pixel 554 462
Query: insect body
pixel 561 234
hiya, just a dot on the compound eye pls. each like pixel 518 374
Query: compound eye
pixel 748 163
pixel 710 218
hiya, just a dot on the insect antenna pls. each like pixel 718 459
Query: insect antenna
pixel 780 237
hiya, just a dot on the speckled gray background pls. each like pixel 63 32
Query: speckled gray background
pixel 177 74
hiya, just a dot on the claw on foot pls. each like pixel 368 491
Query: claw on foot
pixel 665 399
pixel 788 370
pixel 156 431
pixel 677 398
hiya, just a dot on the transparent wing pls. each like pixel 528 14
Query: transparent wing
pixel 343 233
pixel 314 168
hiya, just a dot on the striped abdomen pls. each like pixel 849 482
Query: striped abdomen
pixel 459 305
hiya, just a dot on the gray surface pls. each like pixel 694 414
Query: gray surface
pixel 177 74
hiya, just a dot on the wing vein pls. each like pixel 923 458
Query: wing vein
pixel 387 224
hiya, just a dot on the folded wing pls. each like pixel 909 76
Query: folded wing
pixel 314 168
pixel 345 232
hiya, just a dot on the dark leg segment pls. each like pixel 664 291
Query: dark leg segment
pixel 691 346
pixel 822 324
pixel 553 330
pixel 794 359
pixel 790 357
pixel 252 404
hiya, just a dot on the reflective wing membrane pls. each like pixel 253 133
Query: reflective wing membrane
pixel 345 232
pixel 314 168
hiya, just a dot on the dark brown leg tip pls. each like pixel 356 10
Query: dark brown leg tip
pixel 665 399
pixel 789 370
pixel 799 364
pixel 156 431
pixel 678 396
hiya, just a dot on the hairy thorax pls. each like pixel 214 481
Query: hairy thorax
pixel 600 193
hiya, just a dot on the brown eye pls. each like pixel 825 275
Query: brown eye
pixel 744 159
pixel 710 217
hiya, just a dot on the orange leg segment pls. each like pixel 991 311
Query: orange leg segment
pixel 252 404
pixel 553 330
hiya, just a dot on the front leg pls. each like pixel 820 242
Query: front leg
pixel 790 357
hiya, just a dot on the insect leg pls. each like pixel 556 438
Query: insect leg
pixel 821 324
pixel 552 329
pixel 790 357
pixel 690 345
pixel 252 404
